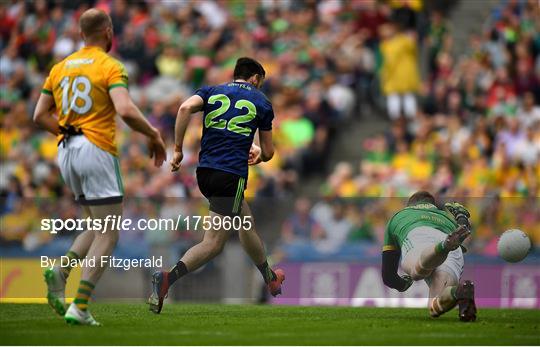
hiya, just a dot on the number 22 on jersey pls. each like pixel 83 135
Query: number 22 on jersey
pixel 234 124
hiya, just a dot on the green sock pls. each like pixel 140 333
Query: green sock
pixel 67 269
pixel 83 295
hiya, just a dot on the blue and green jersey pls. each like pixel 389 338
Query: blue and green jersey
pixel 232 114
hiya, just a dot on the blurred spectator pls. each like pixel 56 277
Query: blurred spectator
pixel 336 227
pixel 511 138
pixel 400 79
pixel 405 12
pixel 300 226
pixel 436 39
pixel 363 226
pixel 528 113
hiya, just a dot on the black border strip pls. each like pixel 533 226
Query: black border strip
pixel 101 201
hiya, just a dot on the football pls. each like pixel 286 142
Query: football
pixel 513 245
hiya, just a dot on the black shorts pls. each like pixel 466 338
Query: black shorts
pixel 224 190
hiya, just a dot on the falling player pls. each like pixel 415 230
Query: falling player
pixel 232 113
pixel 87 89
pixel 428 241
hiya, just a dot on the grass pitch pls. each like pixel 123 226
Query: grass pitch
pixel 214 324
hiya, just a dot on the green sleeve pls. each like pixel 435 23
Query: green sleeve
pixel 389 241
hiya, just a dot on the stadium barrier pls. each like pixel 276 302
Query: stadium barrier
pixel 21 281
pixel 352 284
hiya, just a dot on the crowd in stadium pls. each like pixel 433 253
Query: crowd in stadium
pixel 471 129
pixel 170 49
pixel 468 129
pixel 475 130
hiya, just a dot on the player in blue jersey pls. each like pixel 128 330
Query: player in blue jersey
pixel 233 112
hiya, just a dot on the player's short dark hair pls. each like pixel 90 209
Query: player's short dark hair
pixel 421 196
pixel 94 20
pixel 247 67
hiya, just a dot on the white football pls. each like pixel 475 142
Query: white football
pixel 514 245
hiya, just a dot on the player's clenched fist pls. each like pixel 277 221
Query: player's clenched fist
pixel 254 157
pixel 176 160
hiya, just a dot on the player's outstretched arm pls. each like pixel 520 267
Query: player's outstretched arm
pixel 267 145
pixel 192 105
pixel 390 264
pixel 134 118
pixel 43 114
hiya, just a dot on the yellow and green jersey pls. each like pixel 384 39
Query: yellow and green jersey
pixel 80 86
pixel 420 215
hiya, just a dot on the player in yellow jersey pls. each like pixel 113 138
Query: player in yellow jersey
pixel 86 91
